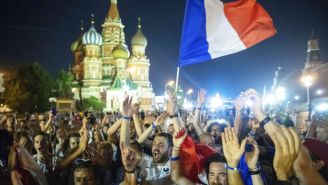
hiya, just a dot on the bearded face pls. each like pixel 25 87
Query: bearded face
pixel 217 174
pixel 160 150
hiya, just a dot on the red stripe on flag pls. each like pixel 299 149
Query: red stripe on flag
pixel 252 23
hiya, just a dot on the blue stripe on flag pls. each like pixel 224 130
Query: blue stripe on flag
pixel 194 46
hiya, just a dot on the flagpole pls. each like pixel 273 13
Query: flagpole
pixel 177 79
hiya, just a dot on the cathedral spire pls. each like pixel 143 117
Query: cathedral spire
pixel 82 25
pixel 113 13
pixel 92 19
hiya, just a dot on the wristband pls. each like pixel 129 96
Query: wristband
pixel 199 107
pixel 265 121
pixel 232 169
pixel 173 116
pixel 126 118
pixel 254 171
pixel 175 158
pixel 153 125
pixel 252 133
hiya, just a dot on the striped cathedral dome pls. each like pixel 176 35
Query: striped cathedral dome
pixel 92 37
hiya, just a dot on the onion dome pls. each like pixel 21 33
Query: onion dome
pixel 92 37
pixel 139 38
pixel 121 51
pixel 77 44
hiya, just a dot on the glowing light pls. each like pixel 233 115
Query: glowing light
pixel 187 105
pixel 269 99
pixel 189 91
pixel 170 83
pixel 307 80
pixel 319 92
pixel 280 94
pixel 216 101
pixel 322 107
pixel 296 97
pixel 249 103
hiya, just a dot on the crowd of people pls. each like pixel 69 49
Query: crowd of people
pixel 172 147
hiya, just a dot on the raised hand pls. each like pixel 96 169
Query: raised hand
pixel 171 103
pixel 240 101
pixel 127 108
pixel 253 156
pixel 257 106
pixel 287 145
pixel 135 108
pixel 161 118
pixel 232 150
pixel 201 97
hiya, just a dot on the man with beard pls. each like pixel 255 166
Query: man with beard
pixel 216 171
pixel 155 169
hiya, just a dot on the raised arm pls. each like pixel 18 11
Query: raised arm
pixel 114 127
pixel 45 127
pixel 178 139
pixel 233 151
pixel 82 147
pixel 127 113
pixel 136 120
pixel 171 109
pixel 239 104
pixel 196 121
pixel 159 121
pixel 252 158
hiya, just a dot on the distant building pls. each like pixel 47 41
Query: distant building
pixel 104 68
pixel 314 66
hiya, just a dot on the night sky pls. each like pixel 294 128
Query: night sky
pixel 43 30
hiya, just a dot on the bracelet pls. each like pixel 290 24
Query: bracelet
pixel 173 116
pixel 175 158
pixel 232 169
pixel 254 172
pixel 199 107
pixel 153 125
pixel 129 171
pixel 126 118
pixel 252 133
pixel 265 121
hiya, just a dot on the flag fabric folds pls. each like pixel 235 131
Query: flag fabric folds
pixel 213 29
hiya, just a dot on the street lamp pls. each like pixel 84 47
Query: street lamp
pixel 308 81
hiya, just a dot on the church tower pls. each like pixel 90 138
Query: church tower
pixel 113 34
pixel 92 73
pixel 313 59
pixel 138 67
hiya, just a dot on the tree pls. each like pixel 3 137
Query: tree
pixel 28 88
pixel 64 84
pixel 91 103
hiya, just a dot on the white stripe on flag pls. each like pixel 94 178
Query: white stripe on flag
pixel 222 38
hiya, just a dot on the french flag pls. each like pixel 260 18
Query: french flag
pixel 213 29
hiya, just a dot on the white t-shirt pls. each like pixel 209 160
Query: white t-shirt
pixel 153 172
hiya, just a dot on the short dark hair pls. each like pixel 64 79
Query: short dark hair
pixel 221 126
pixel 167 136
pixel 82 164
pixel 74 135
pixel 216 158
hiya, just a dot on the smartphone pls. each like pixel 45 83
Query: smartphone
pixel 249 147
pixel 53 111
